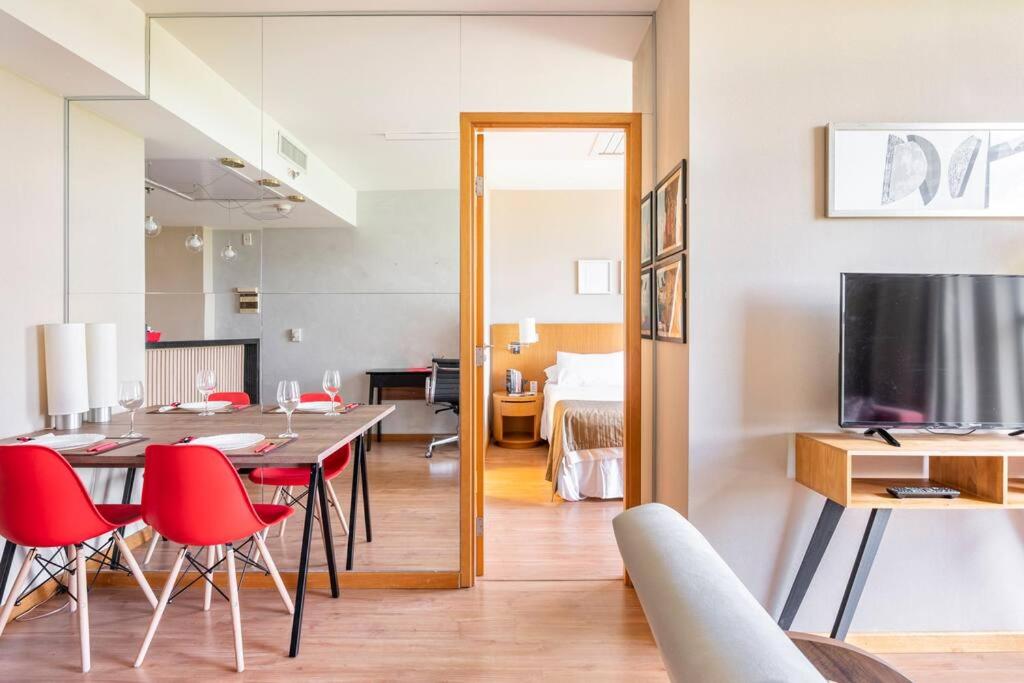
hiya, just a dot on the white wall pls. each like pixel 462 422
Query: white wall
pixel 672 361
pixel 766 78
pixel 32 289
pixel 536 237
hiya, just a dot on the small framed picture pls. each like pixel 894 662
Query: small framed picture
pixel 670 212
pixel 647 230
pixel 670 300
pixel 646 305
pixel 594 276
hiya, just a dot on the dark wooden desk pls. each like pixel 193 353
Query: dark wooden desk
pixel 400 383
pixel 318 438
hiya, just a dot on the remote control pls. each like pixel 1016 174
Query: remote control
pixel 923 492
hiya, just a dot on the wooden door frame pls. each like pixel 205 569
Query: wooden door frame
pixel 471 306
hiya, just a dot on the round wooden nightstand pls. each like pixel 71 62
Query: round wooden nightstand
pixel 517 420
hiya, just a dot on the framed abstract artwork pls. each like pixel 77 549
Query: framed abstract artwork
pixel 670 300
pixel 647 229
pixel 646 305
pixel 670 212
pixel 904 170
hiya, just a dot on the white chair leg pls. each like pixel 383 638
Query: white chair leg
pixel 72 578
pixel 274 574
pixel 236 615
pixel 83 609
pixel 287 501
pixel 337 506
pixel 165 595
pixel 220 553
pixel 152 548
pixel 140 578
pixel 211 553
pixel 16 588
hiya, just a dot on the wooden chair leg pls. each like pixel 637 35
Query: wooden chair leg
pixel 16 588
pixel 274 574
pixel 72 578
pixel 337 506
pixel 220 553
pixel 152 548
pixel 140 578
pixel 165 595
pixel 287 501
pixel 236 615
pixel 211 554
pixel 83 608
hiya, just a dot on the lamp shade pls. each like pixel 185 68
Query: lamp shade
pixel 101 352
pixel 67 385
pixel 528 331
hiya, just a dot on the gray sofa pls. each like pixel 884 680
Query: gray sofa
pixel 708 626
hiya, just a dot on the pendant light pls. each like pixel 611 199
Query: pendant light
pixel 152 227
pixel 228 253
pixel 194 243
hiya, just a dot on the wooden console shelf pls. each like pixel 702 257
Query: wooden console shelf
pixel 978 466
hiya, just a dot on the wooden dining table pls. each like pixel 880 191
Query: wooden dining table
pixel 319 437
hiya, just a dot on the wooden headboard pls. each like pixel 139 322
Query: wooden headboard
pixel 554 337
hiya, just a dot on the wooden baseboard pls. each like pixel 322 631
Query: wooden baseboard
pixel 899 643
pixel 47 589
pixel 316 580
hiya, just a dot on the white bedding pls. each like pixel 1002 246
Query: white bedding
pixel 594 473
pixel 553 393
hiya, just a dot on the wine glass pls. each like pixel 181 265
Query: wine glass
pixel 332 385
pixel 288 398
pixel 206 382
pixel 130 396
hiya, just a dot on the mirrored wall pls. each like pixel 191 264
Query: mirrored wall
pixel 293 205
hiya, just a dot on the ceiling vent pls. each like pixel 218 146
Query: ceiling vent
pixel 291 151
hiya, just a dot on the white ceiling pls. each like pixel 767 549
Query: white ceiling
pixel 550 160
pixel 339 83
pixel 265 6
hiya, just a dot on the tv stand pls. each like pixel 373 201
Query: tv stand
pixel 1016 432
pixel 887 437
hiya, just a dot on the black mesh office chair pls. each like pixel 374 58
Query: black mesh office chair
pixel 443 390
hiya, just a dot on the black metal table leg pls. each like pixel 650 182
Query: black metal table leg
pixel 325 527
pixel 5 566
pixel 380 425
pixel 861 568
pixel 360 445
pixel 370 402
pixel 366 494
pixel 126 497
pixel 823 531
pixel 315 473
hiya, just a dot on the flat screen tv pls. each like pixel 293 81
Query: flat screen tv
pixel 932 351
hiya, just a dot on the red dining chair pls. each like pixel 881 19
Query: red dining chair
pixel 43 504
pixel 192 496
pixel 285 478
pixel 237 398
pixel 320 396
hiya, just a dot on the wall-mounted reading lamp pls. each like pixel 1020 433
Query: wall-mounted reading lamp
pixel 527 335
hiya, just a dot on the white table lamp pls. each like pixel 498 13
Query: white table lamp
pixel 67 384
pixel 101 352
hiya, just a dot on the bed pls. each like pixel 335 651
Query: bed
pixel 582 421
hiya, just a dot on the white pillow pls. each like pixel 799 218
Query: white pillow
pixel 551 372
pixel 590 369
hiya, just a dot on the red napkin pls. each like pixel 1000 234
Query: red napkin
pixel 102 446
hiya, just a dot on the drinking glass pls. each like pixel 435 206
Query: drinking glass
pixel 130 396
pixel 206 382
pixel 332 385
pixel 288 398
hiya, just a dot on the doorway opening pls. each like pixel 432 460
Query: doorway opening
pixel 550 342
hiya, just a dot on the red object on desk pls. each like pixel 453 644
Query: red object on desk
pixel 102 447
pixel 153 336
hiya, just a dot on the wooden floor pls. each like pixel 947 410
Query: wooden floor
pixel 415 512
pixel 530 619
pixel 530 535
